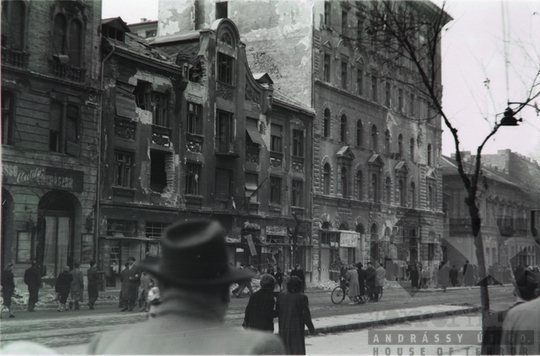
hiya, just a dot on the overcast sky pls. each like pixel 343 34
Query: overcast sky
pixel 474 71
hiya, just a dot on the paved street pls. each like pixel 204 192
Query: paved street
pixel 55 329
pixel 358 342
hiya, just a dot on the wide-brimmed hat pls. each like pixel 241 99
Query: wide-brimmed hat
pixel 194 253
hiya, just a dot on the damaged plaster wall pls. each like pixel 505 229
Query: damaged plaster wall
pixel 278 36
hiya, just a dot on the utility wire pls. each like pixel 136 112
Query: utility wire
pixel 505 43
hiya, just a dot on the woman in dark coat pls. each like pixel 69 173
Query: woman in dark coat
pixel 8 287
pixel 361 278
pixel 260 308
pixel 292 309
pixel 279 277
pixel 414 276
pixel 63 287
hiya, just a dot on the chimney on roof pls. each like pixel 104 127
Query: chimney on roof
pixel 144 19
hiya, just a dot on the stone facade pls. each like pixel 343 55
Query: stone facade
pixel 246 149
pixel 140 174
pixel 375 201
pixel 506 199
pixel 50 112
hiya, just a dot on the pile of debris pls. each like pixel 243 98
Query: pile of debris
pixel 322 285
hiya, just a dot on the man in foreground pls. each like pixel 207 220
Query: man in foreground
pixel 193 276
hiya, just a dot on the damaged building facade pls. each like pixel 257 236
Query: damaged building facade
pixel 50 112
pixel 507 198
pixel 245 149
pixel 140 140
pixel 377 184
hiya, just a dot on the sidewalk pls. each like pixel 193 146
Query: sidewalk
pixel 323 325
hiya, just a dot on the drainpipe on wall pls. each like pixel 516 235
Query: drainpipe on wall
pixel 98 176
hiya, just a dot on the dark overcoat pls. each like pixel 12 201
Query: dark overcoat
pixel 370 278
pixel 294 315
pixel 32 278
pixel 131 277
pixel 63 283
pixel 362 280
pixel 8 287
pixel 77 285
pixel 414 275
pixel 260 311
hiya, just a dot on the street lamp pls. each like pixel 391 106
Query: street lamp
pixel 509 119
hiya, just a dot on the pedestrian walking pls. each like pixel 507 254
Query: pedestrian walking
pixel 292 308
pixel 130 285
pixel 147 283
pixel 361 278
pixel 260 311
pixel 77 286
pixel 380 274
pixel 8 287
pixel 468 274
pixel 371 281
pixel 424 273
pixel 32 278
pixel 415 277
pixel 193 276
pixel 93 284
pixel 123 286
pixel 351 276
pixel 454 276
pixel 444 276
pixel 299 272
pixel 279 278
pixel 63 287
pixel 286 279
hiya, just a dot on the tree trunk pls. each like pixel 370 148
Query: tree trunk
pixel 479 245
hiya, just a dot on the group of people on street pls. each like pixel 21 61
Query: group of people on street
pixel 290 307
pixel 69 282
pixel 193 276
pixel 363 282
pixel 72 283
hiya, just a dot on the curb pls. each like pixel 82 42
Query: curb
pixel 368 324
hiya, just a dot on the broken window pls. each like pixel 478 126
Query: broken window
pixel 326 67
pixel 67 40
pixel 296 193
pixel 121 228
pixel 275 190
pixel 8 119
pixel 252 182
pixel 223 183
pixel 64 128
pixel 13 24
pixel 193 174
pixel 158 171
pixel 225 68
pixel 155 229
pixel 298 143
pixel 155 102
pixel 221 10
pixel 194 119
pixel 123 169
pixel 275 137
pixel 225 130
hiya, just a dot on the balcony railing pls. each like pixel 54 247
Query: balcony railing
pixel 226 147
pixel 252 154
pixel 161 136
pixel 14 57
pixel 67 71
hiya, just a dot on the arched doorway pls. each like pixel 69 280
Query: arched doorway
pixel 7 228
pixel 55 232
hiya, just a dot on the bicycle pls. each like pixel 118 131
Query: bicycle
pixel 339 293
